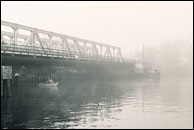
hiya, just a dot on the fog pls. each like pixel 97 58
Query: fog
pixel 164 28
pixel 172 58
pixel 124 24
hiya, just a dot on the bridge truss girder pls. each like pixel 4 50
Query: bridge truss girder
pixel 48 41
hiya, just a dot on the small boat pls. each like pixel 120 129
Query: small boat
pixel 48 84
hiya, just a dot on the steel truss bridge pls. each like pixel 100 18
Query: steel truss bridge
pixel 20 40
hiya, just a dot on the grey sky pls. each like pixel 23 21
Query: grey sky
pixel 124 24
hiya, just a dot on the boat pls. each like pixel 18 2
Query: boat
pixel 48 84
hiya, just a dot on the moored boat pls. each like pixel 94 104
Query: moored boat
pixel 48 84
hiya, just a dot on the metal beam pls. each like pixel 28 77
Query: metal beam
pixel 40 42
pixel 77 45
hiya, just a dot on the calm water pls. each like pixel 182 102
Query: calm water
pixel 101 104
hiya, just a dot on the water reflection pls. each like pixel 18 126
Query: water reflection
pixel 100 104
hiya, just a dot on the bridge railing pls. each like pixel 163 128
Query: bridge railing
pixel 54 53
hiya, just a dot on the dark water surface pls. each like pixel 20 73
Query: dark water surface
pixel 101 104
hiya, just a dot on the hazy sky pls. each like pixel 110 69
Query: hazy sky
pixel 125 24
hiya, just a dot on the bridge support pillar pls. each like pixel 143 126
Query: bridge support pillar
pixel 6 87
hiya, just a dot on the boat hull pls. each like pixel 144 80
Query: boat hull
pixel 48 85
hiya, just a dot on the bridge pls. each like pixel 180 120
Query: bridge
pixel 38 55
pixel 38 49
pixel 26 42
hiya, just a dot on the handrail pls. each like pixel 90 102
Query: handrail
pixel 53 52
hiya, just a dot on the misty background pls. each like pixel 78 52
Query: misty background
pixel 165 29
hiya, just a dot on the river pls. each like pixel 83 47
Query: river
pixel 100 104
